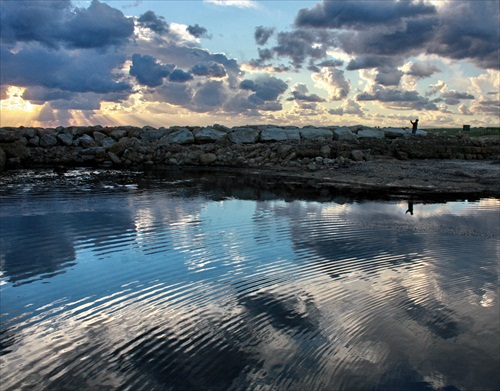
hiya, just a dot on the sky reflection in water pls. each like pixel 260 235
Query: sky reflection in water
pixel 144 284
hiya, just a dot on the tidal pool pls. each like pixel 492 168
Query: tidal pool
pixel 137 281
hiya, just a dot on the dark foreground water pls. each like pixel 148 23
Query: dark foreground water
pixel 141 282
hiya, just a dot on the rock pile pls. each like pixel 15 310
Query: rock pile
pixel 249 146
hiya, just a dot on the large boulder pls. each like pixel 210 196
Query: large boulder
pixel 15 150
pixel 208 135
pixel 371 133
pixel 153 134
pixel 311 133
pixel 396 132
pixel 279 134
pixel 85 141
pixel 48 140
pixel 118 133
pixel 107 142
pixel 8 135
pixel 344 134
pixel 3 159
pixel 244 135
pixel 65 139
pixel 207 158
pixel 181 136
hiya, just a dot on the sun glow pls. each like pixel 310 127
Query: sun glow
pixel 15 101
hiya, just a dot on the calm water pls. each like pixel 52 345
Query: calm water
pixel 146 283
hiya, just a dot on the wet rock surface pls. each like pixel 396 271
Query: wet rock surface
pixel 356 157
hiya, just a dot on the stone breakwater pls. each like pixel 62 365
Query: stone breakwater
pixel 267 146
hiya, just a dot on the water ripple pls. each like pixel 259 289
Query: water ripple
pixel 133 288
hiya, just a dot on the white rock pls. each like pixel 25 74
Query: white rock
pixel 279 134
pixel 371 133
pixel 344 134
pixel 244 135
pixel 315 133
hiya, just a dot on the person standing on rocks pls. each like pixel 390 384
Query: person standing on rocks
pixel 414 126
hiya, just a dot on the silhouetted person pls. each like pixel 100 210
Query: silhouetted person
pixel 414 126
pixel 410 205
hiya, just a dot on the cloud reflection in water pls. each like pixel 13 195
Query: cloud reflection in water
pixel 149 288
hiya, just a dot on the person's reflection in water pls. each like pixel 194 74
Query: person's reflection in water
pixel 410 207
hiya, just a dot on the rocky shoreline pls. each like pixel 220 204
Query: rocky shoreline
pixel 351 158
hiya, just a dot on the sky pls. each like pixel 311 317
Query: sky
pixel 201 62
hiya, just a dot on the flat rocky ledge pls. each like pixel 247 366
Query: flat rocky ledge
pixel 331 159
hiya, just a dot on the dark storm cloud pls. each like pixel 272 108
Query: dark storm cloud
pixel 148 71
pixel 65 55
pixel 454 97
pixel 297 45
pixel 70 100
pixel 209 96
pixel 153 22
pixel 372 61
pixel 36 65
pixel 421 70
pixel 180 76
pixel 198 31
pixel 360 15
pixel 39 21
pixel 331 63
pixel 262 34
pixel 374 32
pixel 327 63
pixel 55 23
pixel 388 76
pixel 300 93
pixel 38 95
pixel 179 94
pixel 187 57
pixel 98 26
pixel 265 88
pixel 469 30
pixel 398 99
pixel 211 68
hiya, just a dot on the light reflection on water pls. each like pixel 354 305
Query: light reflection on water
pixel 127 283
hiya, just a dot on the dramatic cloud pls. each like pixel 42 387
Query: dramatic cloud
pixel 360 14
pixel 333 80
pixel 148 71
pixel 198 31
pixel 36 65
pixel 454 97
pixel 348 107
pixel 384 33
pixel 262 34
pixel 177 94
pixel 211 68
pixel 265 88
pixel 397 99
pixel 55 23
pixel 300 92
pixel 297 45
pixel 469 30
pixel 388 76
pixel 154 23
pixel 180 76
pixel 419 69
pixel 210 96
pixel 440 86
pixel 90 56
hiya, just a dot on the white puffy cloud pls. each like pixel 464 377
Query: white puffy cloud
pixel 332 80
